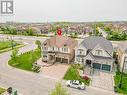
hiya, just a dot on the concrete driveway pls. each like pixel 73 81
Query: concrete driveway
pixel 103 80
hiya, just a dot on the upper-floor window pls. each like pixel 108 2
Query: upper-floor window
pixel 53 48
pixel 65 49
pixel 99 52
pixel 58 49
pixel 45 48
pixel 80 51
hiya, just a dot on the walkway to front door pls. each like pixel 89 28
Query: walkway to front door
pixel 102 80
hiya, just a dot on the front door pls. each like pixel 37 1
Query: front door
pixel 88 62
pixel 51 57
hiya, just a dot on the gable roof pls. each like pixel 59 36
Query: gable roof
pixel 60 41
pixel 92 41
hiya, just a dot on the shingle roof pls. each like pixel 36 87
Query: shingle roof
pixel 92 41
pixel 60 41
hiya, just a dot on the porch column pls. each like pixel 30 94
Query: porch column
pixel 68 61
pixel 61 59
pixel 92 63
pixel 91 69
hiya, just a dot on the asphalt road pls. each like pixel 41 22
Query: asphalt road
pixel 30 83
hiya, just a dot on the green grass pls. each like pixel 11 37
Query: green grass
pixel 7 44
pixel 2 90
pixel 73 74
pixel 122 90
pixel 25 61
pixel 8 49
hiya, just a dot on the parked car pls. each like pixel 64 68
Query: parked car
pixel 75 84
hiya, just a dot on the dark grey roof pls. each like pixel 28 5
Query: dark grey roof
pixel 92 41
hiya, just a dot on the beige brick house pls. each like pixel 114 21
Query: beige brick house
pixel 58 49
pixel 122 55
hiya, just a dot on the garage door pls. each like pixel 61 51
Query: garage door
pixel 64 60
pixel 58 59
pixel 106 67
pixel 96 66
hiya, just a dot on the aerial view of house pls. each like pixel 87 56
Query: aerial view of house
pixel 58 49
pixel 63 47
pixel 96 52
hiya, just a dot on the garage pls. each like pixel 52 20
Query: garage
pixel 96 66
pixel 58 59
pixel 106 67
pixel 64 60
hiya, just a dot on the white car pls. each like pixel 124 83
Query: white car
pixel 75 84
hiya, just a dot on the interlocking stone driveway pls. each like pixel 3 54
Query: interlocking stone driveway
pixel 102 80
pixel 57 70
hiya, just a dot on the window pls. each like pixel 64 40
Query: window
pixel 45 48
pixel 98 52
pixel 82 60
pixel 58 49
pixel 53 48
pixel 78 59
pixel 65 49
pixel 45 56
pixel 80 51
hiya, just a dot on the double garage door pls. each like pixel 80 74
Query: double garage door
pixel 104 67
pixel 63 60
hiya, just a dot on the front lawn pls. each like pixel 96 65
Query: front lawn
pixel 2 90
pixel 122 90
pixel 25 61
pixel 7 44
pixel 73 74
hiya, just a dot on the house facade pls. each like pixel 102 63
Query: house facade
pixel 58 49
pixel 95 52
pixel 122 56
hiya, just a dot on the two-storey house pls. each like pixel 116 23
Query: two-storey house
pixel 95 52
pixel 58 49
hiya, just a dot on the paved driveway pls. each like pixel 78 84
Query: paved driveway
pixel 57 70
pixel 102 80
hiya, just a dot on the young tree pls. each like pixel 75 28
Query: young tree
pixel 38 43
pixel 14 54
pixel 59 90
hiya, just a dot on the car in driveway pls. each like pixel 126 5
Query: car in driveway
pixel 75 84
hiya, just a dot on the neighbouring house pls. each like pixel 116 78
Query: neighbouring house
pixel 122 56
pixel 59 49
pixel 95 52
